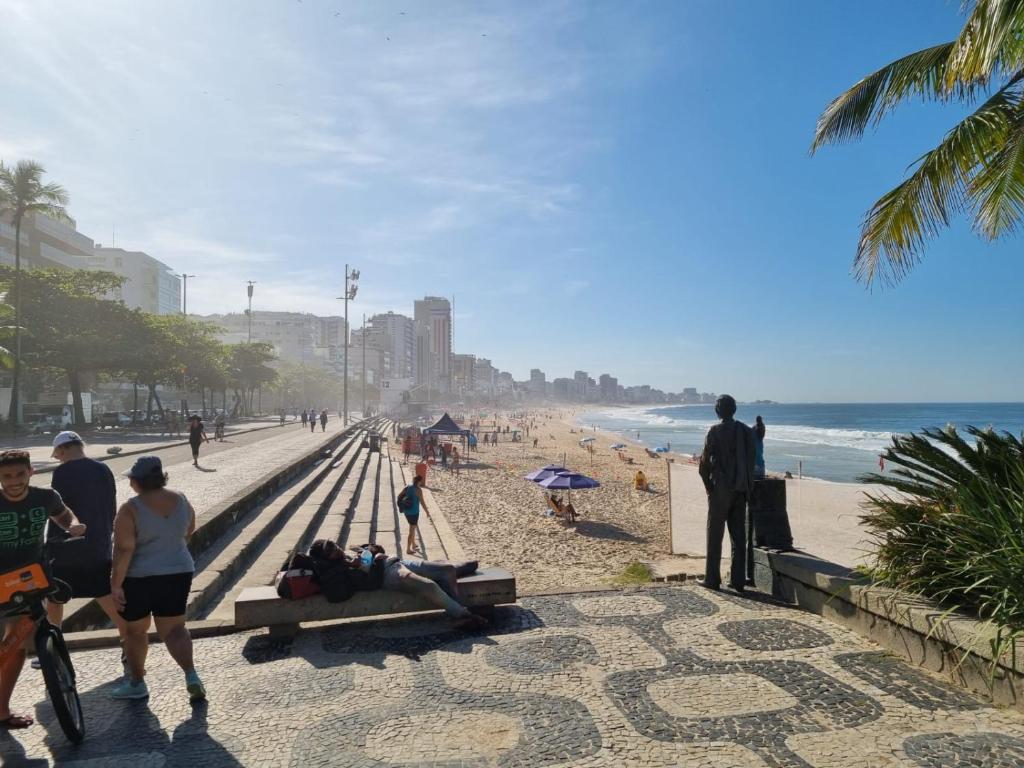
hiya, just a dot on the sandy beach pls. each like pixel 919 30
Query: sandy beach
pixel 499 517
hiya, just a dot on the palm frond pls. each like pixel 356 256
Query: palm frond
pixel 899 224
pixel 997 190
pixel 922 74
pixel 989 43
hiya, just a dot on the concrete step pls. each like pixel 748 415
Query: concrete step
pixel 231 554
pixel 386 529
pixel 360 517
pixel 296 532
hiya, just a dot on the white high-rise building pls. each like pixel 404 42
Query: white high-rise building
pixel 297 337
pixel 400 334
pixel 432 316
pixel 150 285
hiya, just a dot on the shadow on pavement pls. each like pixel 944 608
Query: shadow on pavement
pixel 369 643
pixel 124 729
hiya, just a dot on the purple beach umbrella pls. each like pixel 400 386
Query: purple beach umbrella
pixel 569 481
pixel 544 473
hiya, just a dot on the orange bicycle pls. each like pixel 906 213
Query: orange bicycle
pixel 23 592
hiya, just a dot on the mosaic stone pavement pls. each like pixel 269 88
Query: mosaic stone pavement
pixel 663 676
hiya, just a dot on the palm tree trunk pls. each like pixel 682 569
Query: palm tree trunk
pixel 14 415
pixel 135 404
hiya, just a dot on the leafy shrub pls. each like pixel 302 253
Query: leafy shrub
pixel 954 530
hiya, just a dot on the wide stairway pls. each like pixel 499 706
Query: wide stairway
pixel 351 500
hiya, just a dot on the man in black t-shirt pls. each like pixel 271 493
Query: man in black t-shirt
pixel 88 487
pixel 24 511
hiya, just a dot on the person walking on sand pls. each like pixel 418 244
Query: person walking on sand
pixel 196 436
pixel 410 501
pixel 727 469
pixel 455 460
pixel 323 420
pixel 152 576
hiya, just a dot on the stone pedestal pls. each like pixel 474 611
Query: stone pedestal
pixel 768 516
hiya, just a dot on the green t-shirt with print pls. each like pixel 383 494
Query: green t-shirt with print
pixel 22 524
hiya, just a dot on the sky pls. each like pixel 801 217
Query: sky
pixel 616 187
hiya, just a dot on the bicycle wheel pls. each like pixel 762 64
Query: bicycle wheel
pixel 59 676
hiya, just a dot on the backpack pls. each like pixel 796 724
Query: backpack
pixel 405 500
pixel 296 584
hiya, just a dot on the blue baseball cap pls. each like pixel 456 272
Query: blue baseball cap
pixel 145 466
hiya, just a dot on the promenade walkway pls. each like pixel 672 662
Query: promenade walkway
pixel 660 676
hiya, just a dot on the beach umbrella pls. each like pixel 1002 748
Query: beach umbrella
pixel 587 440
pixel 618 446
pixel 545 472
pixel 569 481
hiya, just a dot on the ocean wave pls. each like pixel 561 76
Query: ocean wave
pixel 858 439
pixel 861 440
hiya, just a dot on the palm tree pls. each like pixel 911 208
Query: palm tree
pixel 21 192
pixel 977 169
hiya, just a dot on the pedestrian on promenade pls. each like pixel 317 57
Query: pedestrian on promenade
pixel 759 432
pixel 152 575
pixel 196 436
pixel 87 486
pixel 24 510
pixel 219 422
pixel 305 417
pixel 312 420
pixel 411 509
pixel 323 420
pixel 727 469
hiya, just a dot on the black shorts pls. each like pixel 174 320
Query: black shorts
pixel 85 580
pixel 157 595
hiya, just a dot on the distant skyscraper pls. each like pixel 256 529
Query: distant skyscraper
pixel 432 316
pixel 400 334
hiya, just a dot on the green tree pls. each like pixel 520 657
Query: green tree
pixel 303 386
pixel 22 191
pixel 72 327
pixel 248 369
pixel 977 169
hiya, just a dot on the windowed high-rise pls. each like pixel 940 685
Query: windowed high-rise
pixel 432 316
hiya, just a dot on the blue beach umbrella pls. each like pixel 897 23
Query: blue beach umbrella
pixel 544 473
pixel 569 481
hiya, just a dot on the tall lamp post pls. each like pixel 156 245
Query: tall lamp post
pixel 184 294
pixel 350 294
pixel 364 366
pixel 249 311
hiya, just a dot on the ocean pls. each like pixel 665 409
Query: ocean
pixel 833 441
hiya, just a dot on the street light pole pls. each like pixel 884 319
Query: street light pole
pixel 184 282
pixel 249 291
pixel 350 293
pixel 364 366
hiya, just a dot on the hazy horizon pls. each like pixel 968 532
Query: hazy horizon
pixel 616 188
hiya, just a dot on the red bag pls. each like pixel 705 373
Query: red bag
pixel 296 584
